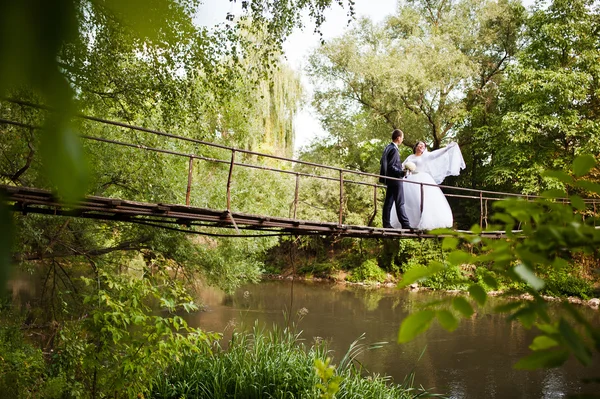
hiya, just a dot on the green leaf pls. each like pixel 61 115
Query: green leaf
pixel 529 277
pixel 575 343
pixel 554 193
pixel 583 164
pixel 542 342
pixel 542 359
pixel 419 272
pixel 531 257
pixel 490 281
pixel 507 307
pixel 450 243
pixel 577 202
pixel 526 315
pixel 447 320
pixel 502 217
pixel 549 329
pixel 589 186
pixel 459 257
pixel 560 175
pixel 414 325
pixel 478 293
pixel 462 306
pixel 64 160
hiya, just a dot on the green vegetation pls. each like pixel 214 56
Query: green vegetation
pixel 369 271
pixel 553 236
pixel 517 89
pixel 276 364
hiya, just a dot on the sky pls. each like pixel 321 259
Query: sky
pixel 300 44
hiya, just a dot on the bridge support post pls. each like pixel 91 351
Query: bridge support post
pixel 375 200
pixel 296 194
pixel 481 209
pixel 189 184
pixel 229 179
pixel 341 196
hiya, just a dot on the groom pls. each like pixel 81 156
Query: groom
pixel 392 167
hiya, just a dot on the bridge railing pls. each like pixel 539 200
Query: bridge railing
pixel 340 175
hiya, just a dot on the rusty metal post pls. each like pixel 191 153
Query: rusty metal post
pixel 481 209
pixel 485 217
pixel 375 199
pixel 341 196
pixel 189 185
pixel 296 194
pixel 229 179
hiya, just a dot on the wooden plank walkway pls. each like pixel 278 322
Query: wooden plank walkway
pixel 33 200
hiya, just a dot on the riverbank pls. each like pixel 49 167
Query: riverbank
pixel 593 303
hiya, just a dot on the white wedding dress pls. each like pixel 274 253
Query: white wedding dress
pixel 431 168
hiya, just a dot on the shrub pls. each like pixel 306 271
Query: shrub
pixel 450 278
pixel 562 284
pixel 23 369
pixel 368 271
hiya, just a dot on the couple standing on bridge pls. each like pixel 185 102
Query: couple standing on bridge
pixel 407 205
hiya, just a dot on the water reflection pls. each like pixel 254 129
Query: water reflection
pixel 473 362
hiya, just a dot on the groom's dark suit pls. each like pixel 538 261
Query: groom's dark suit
pixel 392 167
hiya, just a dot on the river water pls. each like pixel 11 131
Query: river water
pixel 475 361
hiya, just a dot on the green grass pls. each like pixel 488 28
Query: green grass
pixel 274 364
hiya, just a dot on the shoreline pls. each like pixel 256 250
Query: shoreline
pixel 593 303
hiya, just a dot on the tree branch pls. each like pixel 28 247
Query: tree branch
pixel 131 245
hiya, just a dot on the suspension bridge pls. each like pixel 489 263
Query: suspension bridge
pixel 189 218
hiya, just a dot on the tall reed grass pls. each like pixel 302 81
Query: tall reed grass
pixel 272 364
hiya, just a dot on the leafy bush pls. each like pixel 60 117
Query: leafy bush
pixel 562 284
pixel 503 282
pixel 318 269
pixel 368 271
pixel 23 370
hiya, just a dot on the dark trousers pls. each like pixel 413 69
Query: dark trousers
pixel 394 194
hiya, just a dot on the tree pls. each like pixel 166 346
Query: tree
pixel 415 70
pixel 549 108
pixel 136 61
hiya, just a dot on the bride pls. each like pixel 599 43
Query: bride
pixel 430 168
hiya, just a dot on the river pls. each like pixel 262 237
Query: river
pixel 475 361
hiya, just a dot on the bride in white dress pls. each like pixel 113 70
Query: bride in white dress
pixel 430 168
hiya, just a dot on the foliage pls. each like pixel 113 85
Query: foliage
pixel 145 63
pixel 450 277
pixel 418 251
pixel 565 284
pixel 368 271
pixel 23 372
pixel 549 99
pixel 552 233
pixel 122 339
pixel 277 363
pixel 330 383
pixel 413 71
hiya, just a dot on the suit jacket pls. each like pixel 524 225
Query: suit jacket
pixel 390 164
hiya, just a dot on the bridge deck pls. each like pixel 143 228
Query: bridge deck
pixel 33 200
